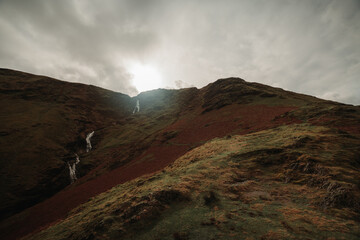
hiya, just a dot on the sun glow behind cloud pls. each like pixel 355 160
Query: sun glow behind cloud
pixel 306 46
pixel 145 77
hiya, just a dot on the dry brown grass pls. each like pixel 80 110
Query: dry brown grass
pixel 220 189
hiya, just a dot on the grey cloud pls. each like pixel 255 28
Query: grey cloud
pixel 182 84
pixel 305 46
pixel 59 39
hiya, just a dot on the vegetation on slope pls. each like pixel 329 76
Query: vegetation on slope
pixel 45 121
pixel 289 182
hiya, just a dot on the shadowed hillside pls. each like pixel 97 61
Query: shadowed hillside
pixel 301 156
pixel 272 184
pixel 43 123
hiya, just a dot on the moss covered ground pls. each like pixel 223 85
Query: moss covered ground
pixel 291 182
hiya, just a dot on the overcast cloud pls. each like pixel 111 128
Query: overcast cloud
pixel 307 46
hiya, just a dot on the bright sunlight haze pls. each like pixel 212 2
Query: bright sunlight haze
pixel 145 77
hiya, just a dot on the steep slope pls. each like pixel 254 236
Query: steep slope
pixel 43 123
pixel 52 118
pixel 290 182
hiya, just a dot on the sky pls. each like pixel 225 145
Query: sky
pixel 306 46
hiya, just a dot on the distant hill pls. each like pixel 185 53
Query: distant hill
pixel 216 162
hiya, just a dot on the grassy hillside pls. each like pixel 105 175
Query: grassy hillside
pixel 44 122
pixel 290 182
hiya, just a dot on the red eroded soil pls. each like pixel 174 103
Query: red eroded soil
pixel 192 131
pixel 233 119
pixel 352 129
pixel 349 126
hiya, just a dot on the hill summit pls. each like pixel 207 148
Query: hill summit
pixel 232 160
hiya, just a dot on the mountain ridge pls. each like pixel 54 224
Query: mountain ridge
pixel 126 146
